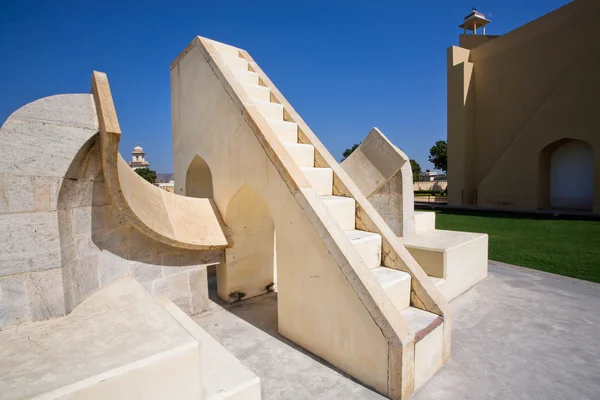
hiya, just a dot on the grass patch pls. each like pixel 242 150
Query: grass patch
pixel 564 247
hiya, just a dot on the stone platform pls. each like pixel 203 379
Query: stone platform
pixel 120 343
pixel 518 334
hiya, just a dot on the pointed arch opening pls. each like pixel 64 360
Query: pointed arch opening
pixel 198 179
pixel 250 265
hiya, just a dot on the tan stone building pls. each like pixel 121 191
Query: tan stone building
pixel 524 114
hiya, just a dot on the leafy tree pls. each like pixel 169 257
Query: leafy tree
pixel 438 155
pixel 416 170
pixel 349 151
pixel 147 174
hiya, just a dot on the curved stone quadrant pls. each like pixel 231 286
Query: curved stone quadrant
pixel 61 236
pixel 179 221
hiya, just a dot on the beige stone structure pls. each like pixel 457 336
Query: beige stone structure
pixel 120 343
pixel 82 258
pixel 348 289
pixel 522 125
pixel 454 261
pixel 118 264
pixel 62 236
pixel 106 240
pixel 178 221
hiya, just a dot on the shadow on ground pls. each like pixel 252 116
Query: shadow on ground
pixel 519 334
pixel 248 329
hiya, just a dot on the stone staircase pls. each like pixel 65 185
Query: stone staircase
pixel 428 327
pixel 454 261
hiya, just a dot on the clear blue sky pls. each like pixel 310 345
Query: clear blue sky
pixel 345 66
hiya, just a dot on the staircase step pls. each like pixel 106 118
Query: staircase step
pixel 343 210
pixel 286 131
pixel 458 259
pixel 396 284
pixel 419 321
pixel 222 376
pixel 257 92
pixel 429 337
pixel 227 50
pixel 246 76
pixel 368 245
pixel 270 110
pixel 156 347
pixel 303 154
pixel 437 281
pixel 321 179
pixel 236 63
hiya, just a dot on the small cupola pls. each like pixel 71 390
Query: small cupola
pixel 473 21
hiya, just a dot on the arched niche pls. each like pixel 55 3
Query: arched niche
pixel 198 179
pixel 250 265
pixel 567 175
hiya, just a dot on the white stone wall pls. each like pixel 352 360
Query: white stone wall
pixel 60 237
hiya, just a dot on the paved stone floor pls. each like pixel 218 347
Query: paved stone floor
pixel 519 334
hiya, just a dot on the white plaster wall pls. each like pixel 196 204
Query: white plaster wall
pixel 572 176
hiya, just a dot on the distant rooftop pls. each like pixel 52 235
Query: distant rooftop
pixel 164 178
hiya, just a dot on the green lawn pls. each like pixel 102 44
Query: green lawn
pixel 570 248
